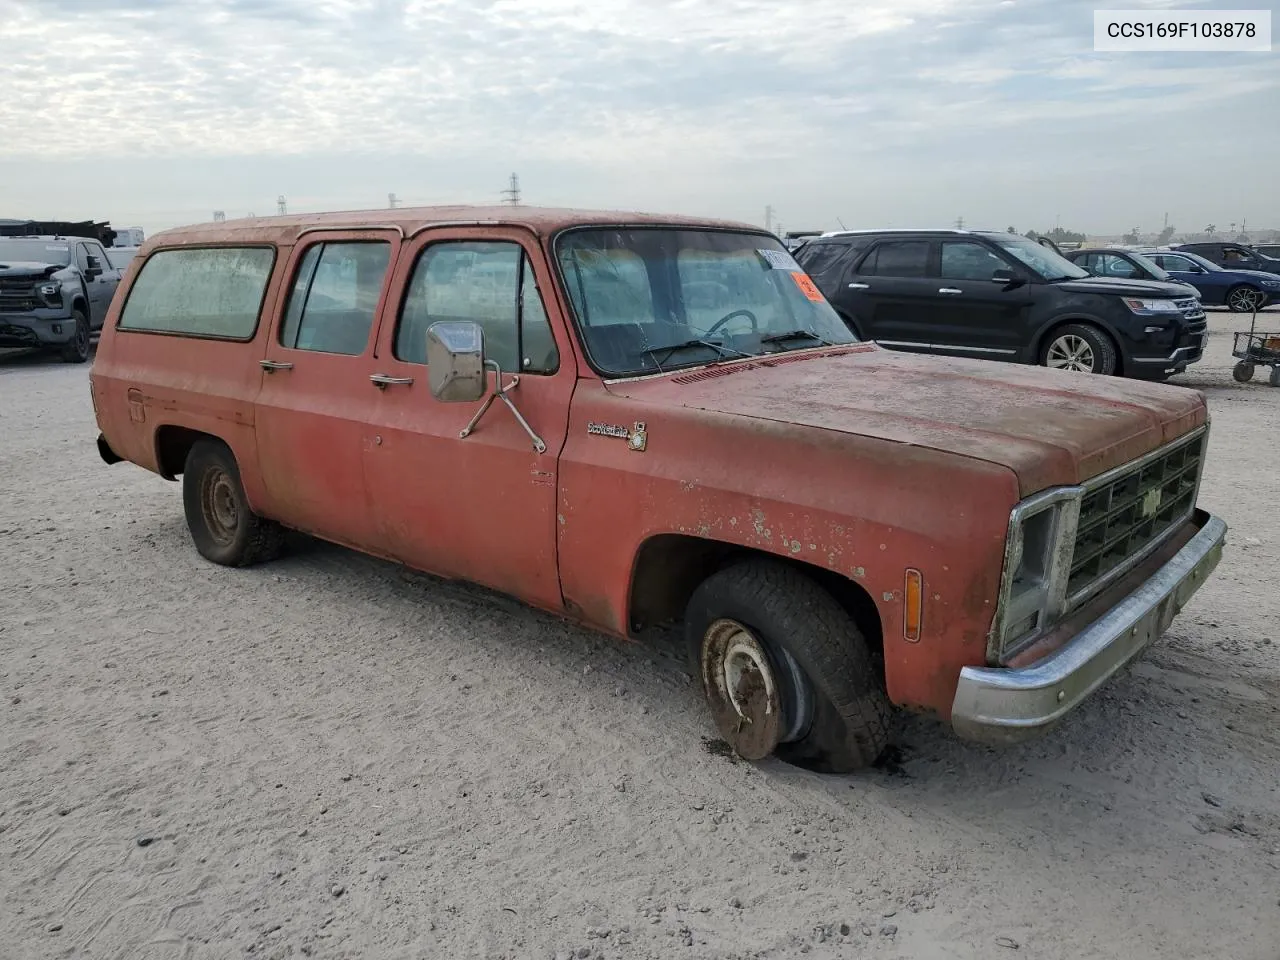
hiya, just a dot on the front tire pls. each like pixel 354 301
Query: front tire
pixel 786 670
pixel 225 530
pixel 76 350
pixel 1242 372
pixel 1244 299
pixel 1080 347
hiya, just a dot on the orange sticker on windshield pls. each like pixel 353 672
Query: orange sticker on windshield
pixel 806 286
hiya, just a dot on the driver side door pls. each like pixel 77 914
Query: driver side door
pixel 480 508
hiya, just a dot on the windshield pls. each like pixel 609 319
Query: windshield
pixel 1041 259
pixel 34 251
pixel 648 300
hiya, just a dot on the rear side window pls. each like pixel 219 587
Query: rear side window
pixel 897 258
pixel 335 296
pixel 200 292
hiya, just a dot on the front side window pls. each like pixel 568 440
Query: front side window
pixel 1049 265
pixel 966 260
pixel 817 258
pixel 1111 265
pixel 202 292
pixel 335 297
pixel 652 299
pixel 490 283
pixel 897 258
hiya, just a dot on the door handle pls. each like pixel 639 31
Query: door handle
pixel 859 286
pixel 950 290
pixel 382 381
pixel 269 365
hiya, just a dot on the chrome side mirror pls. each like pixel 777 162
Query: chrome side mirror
pixel 455 361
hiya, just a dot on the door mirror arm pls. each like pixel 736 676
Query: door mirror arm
pixel 456 372
pixel 500 393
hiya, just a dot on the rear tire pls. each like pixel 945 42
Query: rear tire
pixel 76 350
pixel 1243 299
pixel 762 635
pixel 1081 347
pixel 225 530
pixel 1274 379
pixel 1242 372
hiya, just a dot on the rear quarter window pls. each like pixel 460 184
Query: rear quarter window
pixel 200 292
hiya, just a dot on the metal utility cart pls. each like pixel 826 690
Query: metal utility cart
pixel 1254 349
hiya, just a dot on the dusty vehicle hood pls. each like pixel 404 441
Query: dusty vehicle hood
pixel 1049 427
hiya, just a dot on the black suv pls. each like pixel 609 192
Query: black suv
pixel 1233 256
pixel 999 296
pixel 53 292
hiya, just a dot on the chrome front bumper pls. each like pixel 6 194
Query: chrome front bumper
pixel 1008 704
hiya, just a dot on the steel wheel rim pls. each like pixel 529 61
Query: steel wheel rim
pixel 1070 352
pixel 218 506
pixel 742 687
pixel 82 338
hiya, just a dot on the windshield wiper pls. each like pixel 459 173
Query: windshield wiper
pixel 670 348
pixel 796 334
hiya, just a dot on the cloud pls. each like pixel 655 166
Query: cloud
pixel 740 102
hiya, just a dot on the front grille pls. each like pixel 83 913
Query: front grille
pixel 1127 512
pixel 17 295
pixel 1190 307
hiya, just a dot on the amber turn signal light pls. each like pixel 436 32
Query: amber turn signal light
pixel 912 612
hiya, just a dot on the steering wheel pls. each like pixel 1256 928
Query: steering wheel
pixel 755 324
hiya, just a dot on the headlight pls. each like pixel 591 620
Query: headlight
pixel 1037 566
pixel 1151 306
pixel 1271 283
pixel 51 291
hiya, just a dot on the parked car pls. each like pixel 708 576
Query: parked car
pixel 1271 250
pixel 1242 291
pixel 1232 256
pixel 54 291
pixel 684 430
pixel 1003 297
pixel 120 257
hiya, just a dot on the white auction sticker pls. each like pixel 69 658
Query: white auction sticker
pixel 1216 31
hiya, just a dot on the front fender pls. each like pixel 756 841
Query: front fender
pixel 863 508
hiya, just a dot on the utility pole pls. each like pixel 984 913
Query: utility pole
pixel 392 200
pixel 768 218
pixel 219 216
pixel 1166 221
pixel 281 207
pixel 511 195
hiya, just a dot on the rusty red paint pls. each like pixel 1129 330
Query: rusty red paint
pixel 851 460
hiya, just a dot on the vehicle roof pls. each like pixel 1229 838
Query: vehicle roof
pixel 48 237
pixel 943 231
pixel 541 220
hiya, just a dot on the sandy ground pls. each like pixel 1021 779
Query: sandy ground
pixel 331 757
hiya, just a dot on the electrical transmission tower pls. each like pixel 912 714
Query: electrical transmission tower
pixel 511 195
pixel 959 223
pixel 281 207
pixel 768 218
pixel 392 200
pixel 219 216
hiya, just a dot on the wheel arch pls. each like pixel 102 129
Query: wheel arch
pixel 668 567
pixel 1057 323
pixel 172 445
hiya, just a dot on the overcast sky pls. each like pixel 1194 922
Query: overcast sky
pixel 874 113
